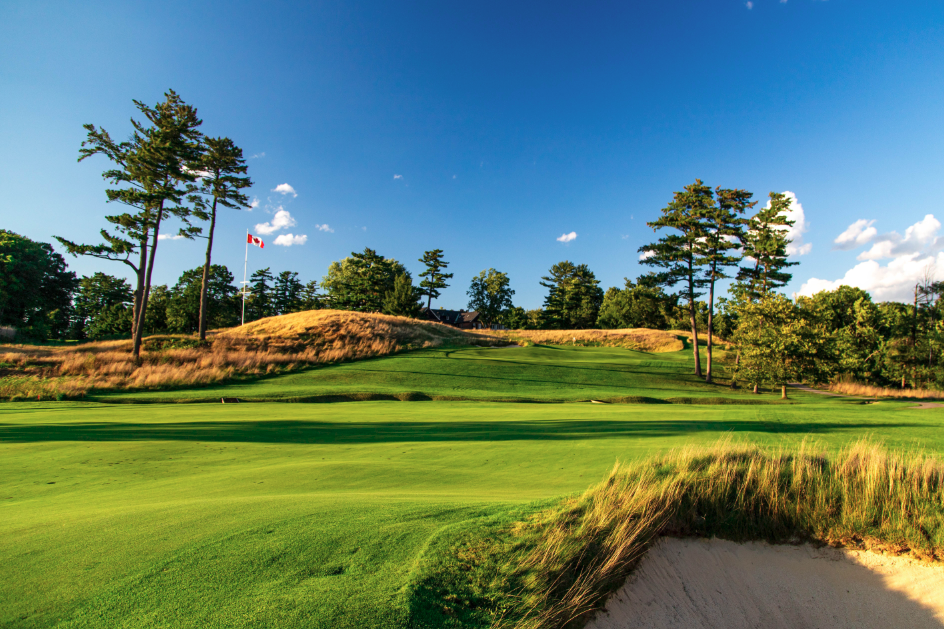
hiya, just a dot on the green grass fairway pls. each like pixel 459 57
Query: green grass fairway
pixel 323 515
pixel 538 373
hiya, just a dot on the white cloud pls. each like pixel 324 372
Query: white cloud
pixel 895 281
pixel 281 220
pixel 324 228
pixel 258 155
pixel 284 188
pixel 795 234
pixel 364 228
pixel 567 237
pixel 253 204
pixel 918 237
pixel 287 240
pixel 646 254
pixel 169 237
pixel 910 256
pixel 749 5
pixel 398 176
pixel 859 233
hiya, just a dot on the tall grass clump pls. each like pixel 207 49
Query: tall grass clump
pixel 640 339
pixel 565 561
pixel 866 390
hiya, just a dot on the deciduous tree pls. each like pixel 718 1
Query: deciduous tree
pixel 490 294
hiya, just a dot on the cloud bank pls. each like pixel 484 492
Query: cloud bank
pixel 910 257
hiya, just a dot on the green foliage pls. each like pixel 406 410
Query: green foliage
pixel 573 297
pixel 765 242
pixel 361 281
pixel 433 277
pixel 490 294
pixel 780 343
pixel 35 288
pixel 403 300
pixel 153 172
pixel 640 305
pixel 101 307
pixel 287 293
pixel 183 305
pixel 259 302
pixel 223 171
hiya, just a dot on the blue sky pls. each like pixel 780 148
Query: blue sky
pixel 491 129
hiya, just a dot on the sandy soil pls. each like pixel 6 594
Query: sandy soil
pixel 694 583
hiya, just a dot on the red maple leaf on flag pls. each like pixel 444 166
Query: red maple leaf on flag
pixel 252 240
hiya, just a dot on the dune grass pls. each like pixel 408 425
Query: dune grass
pixel 866 390
pixel 271 345
pixel 640 339
pixel 373 514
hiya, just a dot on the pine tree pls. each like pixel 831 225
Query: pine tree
pixel 403 300
pixel 574 296
pixel 260 304
pixel 679 254
pixel 764 243
pixel 287 293
pixel 722 224
pixel 155 166
pixel 222 168
pixel 434 277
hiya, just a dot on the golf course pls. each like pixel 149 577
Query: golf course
pixel 355 494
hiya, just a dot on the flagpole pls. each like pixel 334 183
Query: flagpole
pixel 245 268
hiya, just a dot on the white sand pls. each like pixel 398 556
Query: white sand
pixel 694 583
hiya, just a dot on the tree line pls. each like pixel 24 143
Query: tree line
pixel 167 168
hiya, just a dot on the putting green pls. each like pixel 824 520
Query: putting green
pixel 317 515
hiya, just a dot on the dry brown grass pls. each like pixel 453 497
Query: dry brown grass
pixel 641 339
pixel 269 345
pixel 865 497
pixel 865 390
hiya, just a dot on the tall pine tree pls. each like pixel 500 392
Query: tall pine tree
pixel 679 253
pixel 154 170
pixel 223 171
pixel 434 278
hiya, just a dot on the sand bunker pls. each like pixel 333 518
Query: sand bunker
pixel 695 583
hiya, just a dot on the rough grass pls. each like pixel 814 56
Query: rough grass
pixel 641 339
pixel 554 569
pixel 271 345
pixel 865 390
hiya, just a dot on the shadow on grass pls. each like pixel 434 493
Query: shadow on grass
pixel 317 432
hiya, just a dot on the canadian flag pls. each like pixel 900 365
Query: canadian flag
pixel 252 240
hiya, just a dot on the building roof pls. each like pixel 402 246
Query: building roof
pixel 451 317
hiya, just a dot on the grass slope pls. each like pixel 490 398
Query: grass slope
pixel 535 373
pixel 333 515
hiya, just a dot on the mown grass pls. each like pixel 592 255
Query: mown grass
pixel 372 514
pixel 536 373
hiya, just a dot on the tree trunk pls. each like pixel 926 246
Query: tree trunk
pixel 737 365
pixel 755 388
pixel 691 314
pixel 206 276
pixel 139 330
pixel 139 289
pixel 783 391
pixel 711 308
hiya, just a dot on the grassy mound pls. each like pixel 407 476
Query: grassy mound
pixel 555 568
pixel 640 339
pixel 269 345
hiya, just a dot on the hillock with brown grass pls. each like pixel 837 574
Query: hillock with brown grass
pixel 641 339
pixel 270 345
